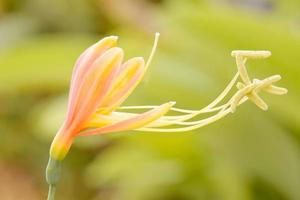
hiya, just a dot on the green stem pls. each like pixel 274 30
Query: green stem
pixel 52 176
pixel 51 192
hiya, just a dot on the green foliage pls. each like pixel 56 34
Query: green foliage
pixel 249 155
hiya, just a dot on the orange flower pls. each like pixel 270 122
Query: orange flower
pixel 100 83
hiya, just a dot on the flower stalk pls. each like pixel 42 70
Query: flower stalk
pixel 51 192
pixel 53 172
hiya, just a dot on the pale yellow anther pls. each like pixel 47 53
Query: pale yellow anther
pixel 239 95
pixel 241 57
pixel 267 82
pixel 253 96
pixel 240 62
pixel 258 101
pixel 251 54
pixel 275 90
pixel 270 88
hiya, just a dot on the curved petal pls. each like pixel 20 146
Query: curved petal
pixel 134 122
pixel 82 66
pixel 126 81
pixel 132 73
pixel 95 85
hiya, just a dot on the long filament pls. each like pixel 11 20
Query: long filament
pixel 189 128
pixel 152 50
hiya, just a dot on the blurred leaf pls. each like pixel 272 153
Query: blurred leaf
pixel 41 62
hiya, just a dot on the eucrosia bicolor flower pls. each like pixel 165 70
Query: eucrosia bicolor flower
pixel 101 82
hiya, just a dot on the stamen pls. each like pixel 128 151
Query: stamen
pixel 224 93
pixel 253 96
pixel 207 109
pixel 240 62
pixel 189 128
pixel 251 54
pixel 268 81
pixel 239 95
pixel 246 90
pixel 258 101
pixel 276 90
pixel 181 119
pixel 173 109
pixel 153 50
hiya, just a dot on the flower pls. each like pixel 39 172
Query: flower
pixel 101 82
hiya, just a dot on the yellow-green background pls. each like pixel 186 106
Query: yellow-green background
pixel 248 155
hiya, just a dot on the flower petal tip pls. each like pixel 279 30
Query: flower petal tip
pixel 172 103
pixel 285 91
pixel 109 41
pixel 277 77
pixel 140 60
pixel 117 51
pixel 112 38
pixel 265 109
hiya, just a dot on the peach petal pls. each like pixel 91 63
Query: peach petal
pixel 61 144
pixel 126 81
pixel 95 85
pixel 82 66
pixel 134 122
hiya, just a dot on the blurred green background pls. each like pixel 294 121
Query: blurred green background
pixel 249 155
